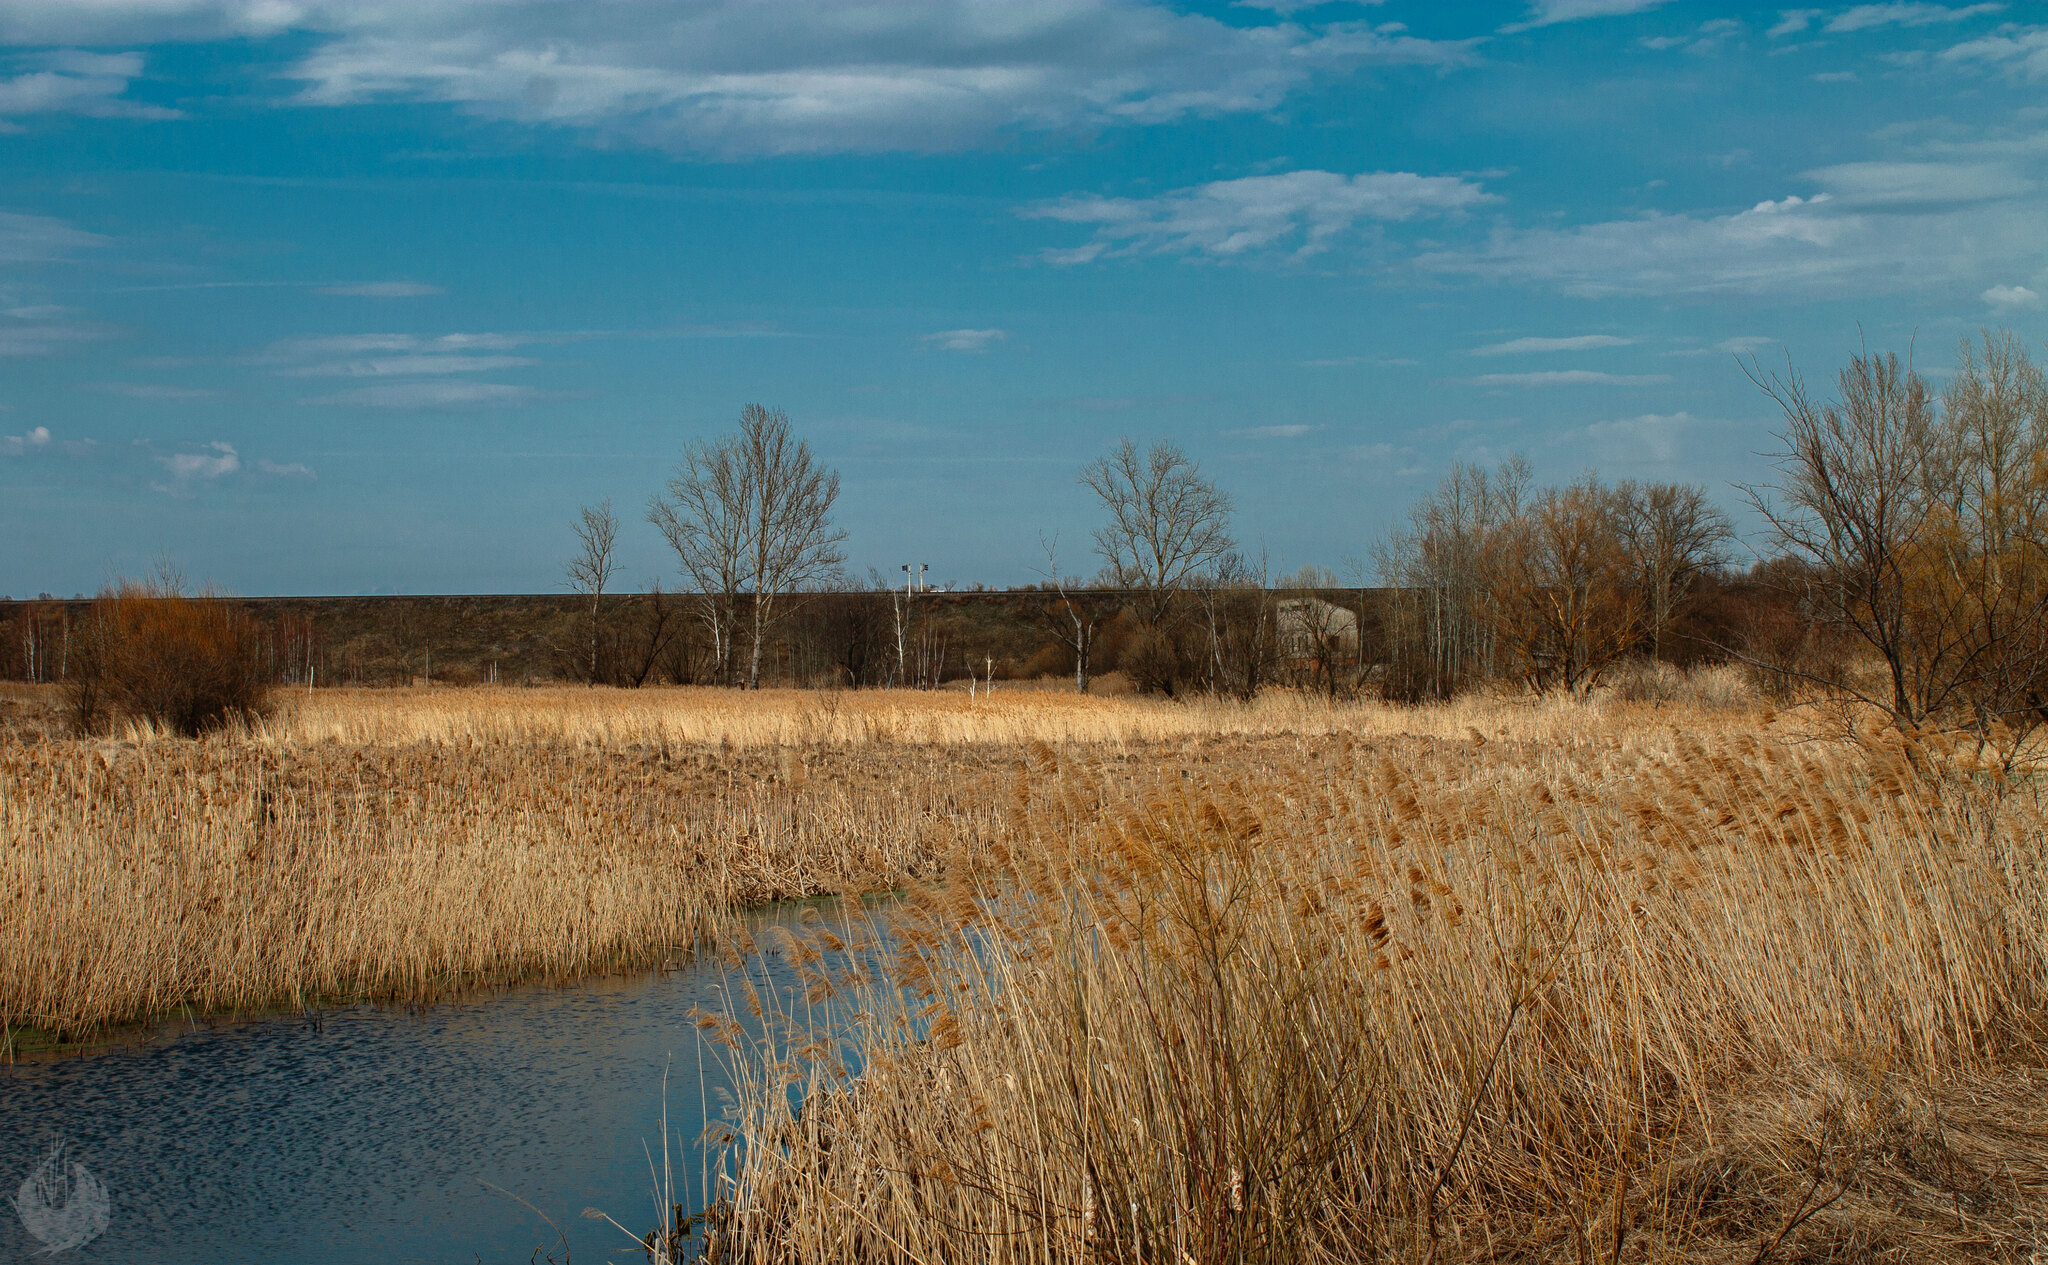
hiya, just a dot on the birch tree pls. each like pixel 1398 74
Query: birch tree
pixel 590 570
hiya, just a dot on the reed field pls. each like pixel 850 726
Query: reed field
pixel 1661 976
pixel 1671 990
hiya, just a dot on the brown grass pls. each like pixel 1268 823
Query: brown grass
pixel 1642 998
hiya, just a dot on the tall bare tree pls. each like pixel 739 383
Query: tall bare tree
pixel 1071 618
pixel 1166 523
pixel 1673 535
pixel 590 570
pixel 750 516
pixel 1851 499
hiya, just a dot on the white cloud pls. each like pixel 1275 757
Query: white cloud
pixel 1792 22
pixel 212 462
pixel 40 239
pixel 967 340
pixel 1899 183
pixel 431 395
pixel 20 445
pixel 1551 12
pixel 1229 218
pixel 1880 228
pixel 1648 439
pixel 73 82
pixel 382 290
pixel 1745 344
pixel 2011 298
pixel 738 77
pixel 156 391
pixel 284 470
pixel 1864 17
pixel 1570 378
pixel 1291 430
pixel 2021 51
pixel 408 366
pixel 1577 342
pixel 364 344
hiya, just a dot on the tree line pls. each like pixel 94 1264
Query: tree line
pixel 1900 563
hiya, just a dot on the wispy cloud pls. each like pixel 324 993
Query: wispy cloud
pixel 432 395
pixel 1551 12
pixel 284 470
pixel 382 290
pixel 1577 342
pixel 2019 51
pixel 41 239
pixel 1309 210
pixel 156 391
pixel 1864 17
pixel 1291 430
pixel 408 366
pixel 68 81
pixel 1570 378
pixel 732 77
pixel 965 340
pixel 1647 439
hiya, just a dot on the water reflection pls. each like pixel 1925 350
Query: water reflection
pixel 380 1135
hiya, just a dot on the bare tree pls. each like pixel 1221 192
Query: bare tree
pixel 1071 619
pixel 1438 619
pixel 750 516
pixel 1560 597
pixel 1851 498
pixel 1166 522
pixel 590 571
pixel 1673 535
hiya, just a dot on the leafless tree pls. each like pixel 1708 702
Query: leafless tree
pixel 1243 625
pixel 1071 618
pixel 750 516
pixel 1560 595
pixel 1166 522
pixel 703 514
pixel 590 570
pixel 1673 535
pixel 1438 619
pixel 1851 497
pixel 1928 531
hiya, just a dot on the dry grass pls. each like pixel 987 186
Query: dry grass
pixel 697 716
pixel 1650 997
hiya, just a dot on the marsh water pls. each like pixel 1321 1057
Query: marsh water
pixel 379 1134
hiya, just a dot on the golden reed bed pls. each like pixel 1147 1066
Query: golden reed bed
pixel 1645 994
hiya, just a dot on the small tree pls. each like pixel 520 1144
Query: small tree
pixel 153 652
pixel 750 516
pixel 1070 618
pixel 1559 587
pixel 1167 523
pixel 590 571
pixel 1673 535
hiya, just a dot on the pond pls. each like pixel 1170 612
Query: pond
pixel 381 1134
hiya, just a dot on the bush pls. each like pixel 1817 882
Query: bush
pixel 151 652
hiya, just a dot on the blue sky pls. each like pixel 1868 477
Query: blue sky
pixel 371 295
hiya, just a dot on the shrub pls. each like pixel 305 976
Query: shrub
pixel 150 651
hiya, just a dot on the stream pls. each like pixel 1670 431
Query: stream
pixel 379 1134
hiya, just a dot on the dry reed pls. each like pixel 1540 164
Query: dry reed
pixel 1642 997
